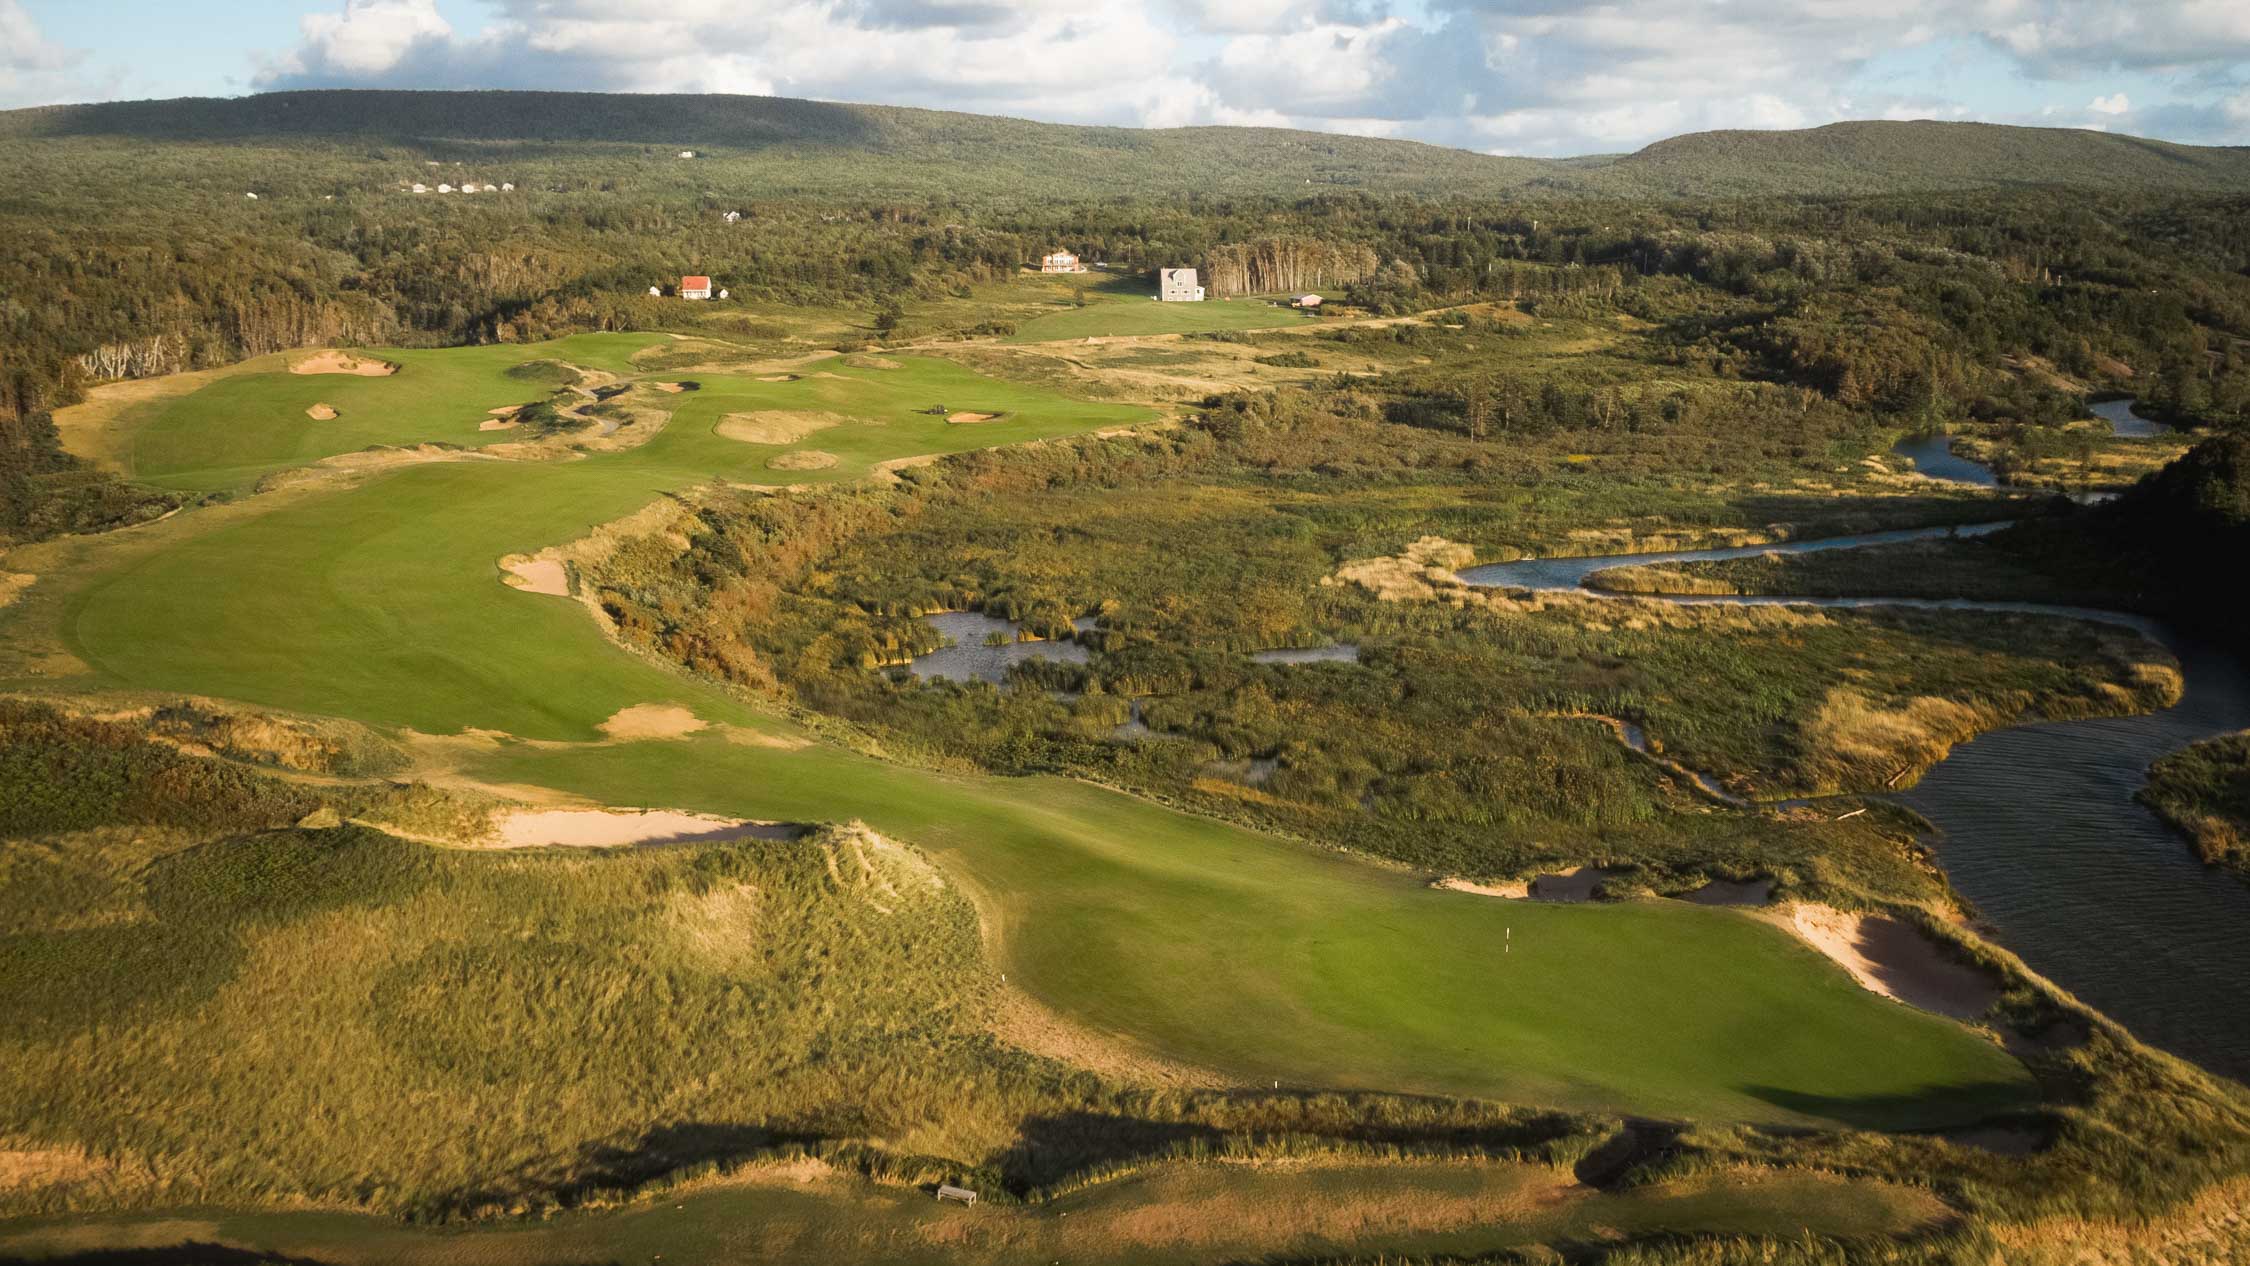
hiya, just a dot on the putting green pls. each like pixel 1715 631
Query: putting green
pixel 1269 960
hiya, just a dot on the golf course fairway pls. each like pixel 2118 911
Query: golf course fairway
pixel 1267 960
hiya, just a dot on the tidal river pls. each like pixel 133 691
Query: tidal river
pixel 2039 829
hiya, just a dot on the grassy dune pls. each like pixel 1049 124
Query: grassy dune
pixel 1183 1214
pixel 382 603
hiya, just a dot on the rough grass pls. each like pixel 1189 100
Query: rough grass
pixel 2204 791
pixel 1130 316
pixel 1209 1212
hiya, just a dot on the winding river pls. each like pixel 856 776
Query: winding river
pixel 2040 829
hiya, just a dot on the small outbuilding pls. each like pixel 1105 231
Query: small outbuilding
pixel 506 187
pixel 1309 302
pixel 695 287
pixel 687 153
pixel 656 292
pixel 445 188
pixel 419 187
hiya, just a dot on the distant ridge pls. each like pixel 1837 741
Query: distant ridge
pixel 802 146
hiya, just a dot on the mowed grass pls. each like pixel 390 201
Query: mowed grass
pixel 1106 316
pixel 891 406
pixel 246 425
pixel 1182 1213
pixel 1270 960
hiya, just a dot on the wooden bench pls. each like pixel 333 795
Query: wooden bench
pixel 962 1194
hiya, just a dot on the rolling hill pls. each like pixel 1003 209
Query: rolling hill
pixel 781 146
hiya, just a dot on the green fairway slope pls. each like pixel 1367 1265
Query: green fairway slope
pixel 247 425
pixel 1269 960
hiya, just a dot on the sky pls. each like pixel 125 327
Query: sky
pixel 1537 77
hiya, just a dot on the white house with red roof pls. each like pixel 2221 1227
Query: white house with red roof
pixel 695 287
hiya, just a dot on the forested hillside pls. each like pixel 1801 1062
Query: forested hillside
pixel 139 239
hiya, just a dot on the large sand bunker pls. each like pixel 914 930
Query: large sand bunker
pixel 537 575
pixel 803 459
pixel 617 828
pixel 776 426
pixel 1897 960
pixel 966 417
pixel 652 721
pixel 342 363
pixel 321 412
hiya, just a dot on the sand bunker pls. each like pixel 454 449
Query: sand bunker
pixel 959 418
pixel 498 424
pixel 321 412
pixel 1728 892
pixel 803 459
pixel 1575 884
pixel 1513 890
pixel 1897 960
pixel 777 378
pixel 538 575
pixel 651 721
pixel 776 426
pixel 617 828
pixel 342 363
pixel 672 387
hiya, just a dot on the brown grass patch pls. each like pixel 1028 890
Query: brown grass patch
pixel 719 926
pixel 12 585
pixel 338 362
pixel 322 413
pixel 652 721
pixel 23 1169
pixel 1023 1021
pixel 776 426
pixel 863 361
pixel 1853 741
pixel 802 459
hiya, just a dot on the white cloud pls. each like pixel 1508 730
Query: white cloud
pixel 35 70
pixel 1530 76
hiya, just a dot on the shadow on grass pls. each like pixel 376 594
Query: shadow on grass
pixel 1936 1108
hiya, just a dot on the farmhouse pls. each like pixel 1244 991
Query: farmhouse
pixel 695 287
pixel 1178 285
pixel 1060 262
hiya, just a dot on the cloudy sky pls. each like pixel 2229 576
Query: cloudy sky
pixel 1509 76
